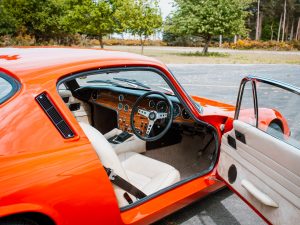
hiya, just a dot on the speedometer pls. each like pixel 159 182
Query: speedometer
pixel 162 107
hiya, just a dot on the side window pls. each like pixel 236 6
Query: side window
pixel 277 108
pixel 8 87
pixel 278 112
pixel 247 110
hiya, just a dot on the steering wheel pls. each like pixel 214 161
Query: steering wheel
pixel 152 117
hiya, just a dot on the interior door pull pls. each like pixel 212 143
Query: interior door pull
pixel 259 195
pixel 240 136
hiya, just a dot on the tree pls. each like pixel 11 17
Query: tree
pixel 8 23
pixel 284 18
pixel 258 19
pixel 146 19
pixel 97 18
pixel 36 17
pixel 208 18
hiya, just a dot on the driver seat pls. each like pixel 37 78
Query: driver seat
pixel 146 174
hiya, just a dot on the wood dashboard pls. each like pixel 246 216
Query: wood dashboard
pixel 122 103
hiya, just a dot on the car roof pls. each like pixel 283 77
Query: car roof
pixel 30 63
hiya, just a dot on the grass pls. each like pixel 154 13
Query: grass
pixel 201 54
pixel 181 55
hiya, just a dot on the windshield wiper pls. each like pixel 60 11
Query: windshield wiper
pixel 132 81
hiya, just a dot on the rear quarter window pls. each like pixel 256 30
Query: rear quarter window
pixel 8 87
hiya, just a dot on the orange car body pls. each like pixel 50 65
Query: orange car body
pixel 63 180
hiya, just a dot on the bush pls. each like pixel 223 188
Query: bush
pixel 72 40
pixel 208 54
pixel 20 40
pixel 268 45
pixel 111 42
pixel 296 44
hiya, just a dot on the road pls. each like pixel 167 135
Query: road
pixel 211 49
pixel 221 82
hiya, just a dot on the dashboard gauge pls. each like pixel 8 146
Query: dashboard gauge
pixel 120 106
pixel 126 108
pixel 185 115
pixel 121 98
pixel 176 110
pixel 94 95
pixel 162 107
pixel 151 104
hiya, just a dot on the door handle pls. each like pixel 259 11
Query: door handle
pixel 259 195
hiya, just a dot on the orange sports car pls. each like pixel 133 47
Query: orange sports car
pixel 104 137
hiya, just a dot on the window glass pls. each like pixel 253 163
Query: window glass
pixel 278 113
pixel 246 113
pixel 148 80
pixel 6 89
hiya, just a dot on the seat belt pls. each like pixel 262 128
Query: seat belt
pixel 125 185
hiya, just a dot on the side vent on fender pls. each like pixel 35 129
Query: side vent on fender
pixel 55 116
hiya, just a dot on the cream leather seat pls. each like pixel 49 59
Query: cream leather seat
pixel 146 174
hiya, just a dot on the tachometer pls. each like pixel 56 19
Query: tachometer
pixel 162 107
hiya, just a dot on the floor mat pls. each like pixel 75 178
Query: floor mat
pixel 185 156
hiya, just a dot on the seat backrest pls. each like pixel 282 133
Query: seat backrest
pixel 107 156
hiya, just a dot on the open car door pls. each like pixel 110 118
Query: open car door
pixel 260 156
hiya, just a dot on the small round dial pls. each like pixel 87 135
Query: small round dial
pixel 151 104
pixel 94 95
pixel 185 114
pixel 162 107
pixel 176 110
pixel 120 106
pixel 126 108
pixel 121 98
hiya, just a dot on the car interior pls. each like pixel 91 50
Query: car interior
pixel 141 131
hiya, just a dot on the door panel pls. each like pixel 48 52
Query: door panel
pixel 267 172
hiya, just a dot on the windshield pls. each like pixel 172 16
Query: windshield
pixel 145 80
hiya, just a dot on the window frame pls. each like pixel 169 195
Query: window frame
pixel 254 80
pixel 14 84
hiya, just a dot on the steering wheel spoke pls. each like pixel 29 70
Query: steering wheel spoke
pixel 162 115
pixel 144 113
pixel 149 127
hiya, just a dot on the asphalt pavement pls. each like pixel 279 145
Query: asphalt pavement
pixel 221 82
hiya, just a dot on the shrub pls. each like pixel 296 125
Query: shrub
pixel 72 40
pixel 268 45
pixel 208 54
pixel 110 42
pixel 296 44
pixel 20 40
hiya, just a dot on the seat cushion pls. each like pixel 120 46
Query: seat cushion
pixel 147 174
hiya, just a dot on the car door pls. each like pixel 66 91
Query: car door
pixel 260 156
